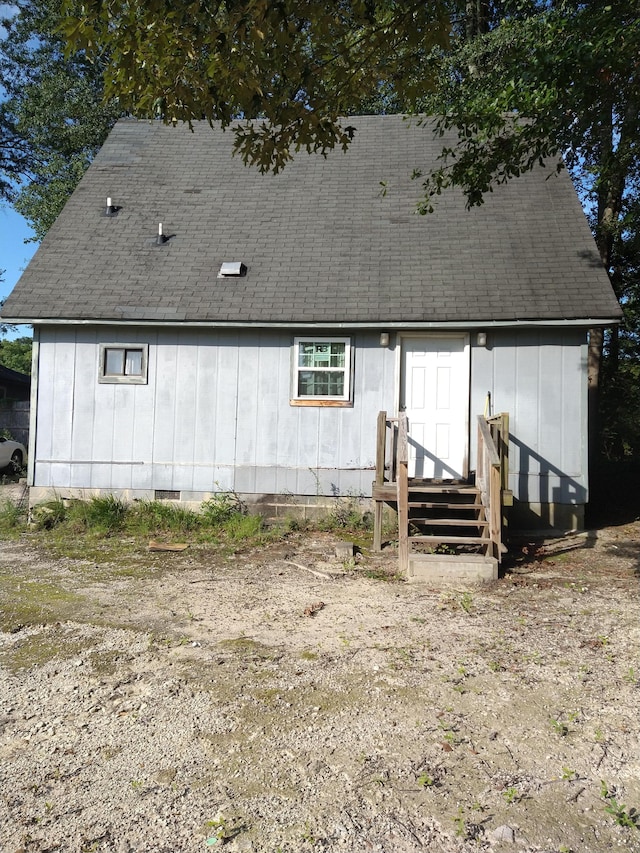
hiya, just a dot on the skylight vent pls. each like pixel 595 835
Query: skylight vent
pixel 232 269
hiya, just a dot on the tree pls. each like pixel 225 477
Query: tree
pixel 548 78
pixel 16 354
pixel 54 118
pixel 297 64
pixel 523 82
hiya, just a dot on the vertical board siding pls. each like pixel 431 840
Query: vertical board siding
pixel 539 377
pixel 213 415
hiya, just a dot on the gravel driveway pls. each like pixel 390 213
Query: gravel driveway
pixel 281 700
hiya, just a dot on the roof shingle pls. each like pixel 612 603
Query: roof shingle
pixel 320 242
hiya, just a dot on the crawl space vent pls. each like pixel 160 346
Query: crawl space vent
pixel 166 495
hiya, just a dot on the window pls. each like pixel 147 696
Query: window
pixel 123 363
pixel 321 371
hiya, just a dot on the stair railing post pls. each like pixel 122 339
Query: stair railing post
pixel 381 440
pixel 403 494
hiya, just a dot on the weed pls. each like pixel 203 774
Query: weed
pixel 222 507
pixel 466 602
pixel 459 823
pixel 12 518
pixel 425 780
pixel 619 812
pixel 568 773
pixel 152 517
pixel 222 829
pixel 383 574
pixel 307 835
pixel 630 676
pixel 137 785
pixel 104 515
pixel 346 514
pixel 560 727
pixel 240 528
pixel 511 795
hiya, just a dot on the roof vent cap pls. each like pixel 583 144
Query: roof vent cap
pixel 231 269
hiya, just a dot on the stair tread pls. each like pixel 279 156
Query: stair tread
pixel 451 540
pixel 451 522
pixel 438 505
pixel 444 490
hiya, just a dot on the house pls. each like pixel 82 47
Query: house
pixel 15 393
pixel 13 384
pixel 201 327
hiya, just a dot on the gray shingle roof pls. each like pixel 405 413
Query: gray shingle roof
pixel 320 242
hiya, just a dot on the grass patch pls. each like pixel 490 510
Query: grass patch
pixel 13 520
pixel 108 528
pixel 39 649
pixel 31 602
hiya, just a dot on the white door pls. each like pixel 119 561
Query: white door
pixel 435 394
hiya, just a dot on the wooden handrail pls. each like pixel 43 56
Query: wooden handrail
pixel 386 467
pixel 487 440
pixel 402 456
pixel 381 443
pixel 491 473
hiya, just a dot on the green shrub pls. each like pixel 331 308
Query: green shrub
pixel 222 507
pixel 102 514
pixel 149 517
pixel 12 517
pixel 346 514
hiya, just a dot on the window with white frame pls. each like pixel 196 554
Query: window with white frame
pixel 321 371
pixel 123 363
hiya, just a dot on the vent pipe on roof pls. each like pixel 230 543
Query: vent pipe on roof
pixel 110 209
pixel 161 238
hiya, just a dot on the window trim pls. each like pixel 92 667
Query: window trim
pixel 344 400
pixel 123 378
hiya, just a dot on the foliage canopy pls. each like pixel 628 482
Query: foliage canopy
pixel 296 65
pixel 53 118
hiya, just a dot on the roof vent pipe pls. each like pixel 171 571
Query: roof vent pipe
pixel 110 209
pixel 161 238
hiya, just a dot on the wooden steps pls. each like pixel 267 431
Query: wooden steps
pixel 447 518
pixel 447 529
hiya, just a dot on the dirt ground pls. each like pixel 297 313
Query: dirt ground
pixel 286 700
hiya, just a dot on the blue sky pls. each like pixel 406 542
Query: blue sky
pixel 14 254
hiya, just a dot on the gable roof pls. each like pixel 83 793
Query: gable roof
pixel 320 243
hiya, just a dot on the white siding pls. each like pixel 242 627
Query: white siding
pixel 214 415
pixel 540 379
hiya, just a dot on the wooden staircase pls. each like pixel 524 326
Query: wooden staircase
pixel 447 517
pixel 456 526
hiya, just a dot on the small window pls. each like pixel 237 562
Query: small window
pixel 123 363
pixel 321 371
